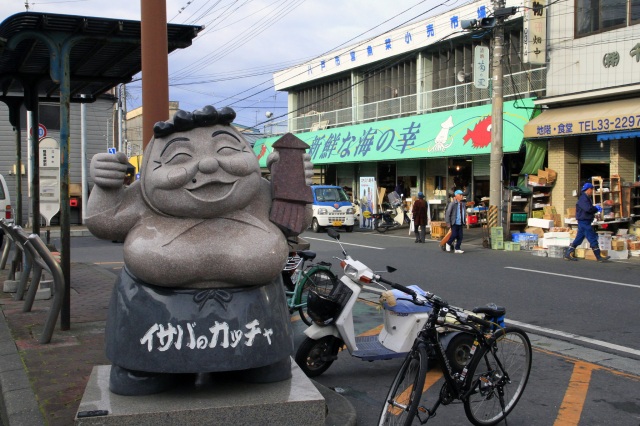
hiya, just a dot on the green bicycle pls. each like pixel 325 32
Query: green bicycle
pixel 298 281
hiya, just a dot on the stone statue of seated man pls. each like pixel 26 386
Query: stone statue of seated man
pixel 201 289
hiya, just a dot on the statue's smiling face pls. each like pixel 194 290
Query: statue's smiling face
pixel 202 173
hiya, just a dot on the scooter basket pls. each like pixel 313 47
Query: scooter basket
pixel 324 303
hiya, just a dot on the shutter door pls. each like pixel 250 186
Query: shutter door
pixel 591 152
pixel 481 165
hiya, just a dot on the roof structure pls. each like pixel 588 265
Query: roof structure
pixel 104 52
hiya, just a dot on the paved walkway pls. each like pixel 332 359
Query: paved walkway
pixel 57 373
pixel 44 383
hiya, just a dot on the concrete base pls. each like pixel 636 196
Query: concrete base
pixel 10 286
pixel 294 401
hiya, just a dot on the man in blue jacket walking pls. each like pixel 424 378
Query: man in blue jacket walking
pixel 585 212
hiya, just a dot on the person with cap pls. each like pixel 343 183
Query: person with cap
pixel 585 212
pixel 455 218
pixel 419 213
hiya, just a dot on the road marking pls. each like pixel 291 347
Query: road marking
pixel 575 337
pixel 108 263
pixel 575 396
pixel 574 277
pixel 344 244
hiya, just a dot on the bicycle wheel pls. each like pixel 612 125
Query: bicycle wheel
pixel 378 226
pixel 498 376
pixel 322 279
pixel 315 356
pixel 401 403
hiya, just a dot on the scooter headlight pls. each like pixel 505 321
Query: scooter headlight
pixel 351 272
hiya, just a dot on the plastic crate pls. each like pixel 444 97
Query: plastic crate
pixel 539 252
pixel 518 217
pixel 556 251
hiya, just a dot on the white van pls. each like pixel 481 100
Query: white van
pixel 331 208
pixel 5 201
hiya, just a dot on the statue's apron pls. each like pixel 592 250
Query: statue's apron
pixel 175 330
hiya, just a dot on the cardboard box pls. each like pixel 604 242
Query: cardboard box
pixel 511 246
pixel 557 235
pixel 580 252
pixel 548 242
pixel 537 180
pixel 534 230
pixel 634 245
pixel 549 210
pixel 618 245
pixel 548 174
pixel 540 223
pixel 571 212
pixel 588 254
pixel 75 190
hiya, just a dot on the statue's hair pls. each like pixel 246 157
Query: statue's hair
pixel 184 120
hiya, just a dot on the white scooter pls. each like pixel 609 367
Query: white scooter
pixel 405 313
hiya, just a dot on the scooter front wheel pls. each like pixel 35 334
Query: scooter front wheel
pixel 315 356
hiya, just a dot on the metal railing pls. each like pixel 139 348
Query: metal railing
pixel 520 84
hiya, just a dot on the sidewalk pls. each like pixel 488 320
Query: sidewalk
pixel 44 383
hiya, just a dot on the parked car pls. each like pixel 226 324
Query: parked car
pixel 331 208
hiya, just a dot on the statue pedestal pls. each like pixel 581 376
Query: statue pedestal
pixel 225 402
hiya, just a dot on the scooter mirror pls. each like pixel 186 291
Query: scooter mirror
pixel 333 233
pixel 391 269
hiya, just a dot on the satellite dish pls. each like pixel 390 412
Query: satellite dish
pixel 268 114
pixel 462 76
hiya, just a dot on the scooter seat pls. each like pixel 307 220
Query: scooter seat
pixel 404 302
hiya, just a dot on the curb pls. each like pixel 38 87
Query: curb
pixel 340 412
pixel 18 405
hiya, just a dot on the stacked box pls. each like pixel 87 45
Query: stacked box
pixel 618 245
pixel 580 252
pixel 497 238
pixel 588 254
pixel 511 246
pixel 604 240
pixel 537 214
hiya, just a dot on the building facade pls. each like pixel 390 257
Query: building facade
pixel 405 106
pixel 413 106
pixel 100 129
pixel 591 111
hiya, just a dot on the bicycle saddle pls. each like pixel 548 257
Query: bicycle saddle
pixel 493 311
pixel 307 255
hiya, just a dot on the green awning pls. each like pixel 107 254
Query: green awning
pixel 461 132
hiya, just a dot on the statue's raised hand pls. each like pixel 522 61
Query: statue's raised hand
pixel 109 170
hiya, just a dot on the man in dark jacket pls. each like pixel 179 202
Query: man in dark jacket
pixel 456 217
pixel 585 212
pixel 419 214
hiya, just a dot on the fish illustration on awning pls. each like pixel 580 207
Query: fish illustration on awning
pixel 481 134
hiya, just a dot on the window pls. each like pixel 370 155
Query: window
pixel 634 12
pixel 596 16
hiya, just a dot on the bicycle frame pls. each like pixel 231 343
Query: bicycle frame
pixel 302 277
pixel 458 385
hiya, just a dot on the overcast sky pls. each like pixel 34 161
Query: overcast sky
pixel 232 60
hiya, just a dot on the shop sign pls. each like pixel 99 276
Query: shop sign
pixel 613 123
pixel 535 32
pixel 442 134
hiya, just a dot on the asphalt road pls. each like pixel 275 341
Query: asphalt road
pixel 583 315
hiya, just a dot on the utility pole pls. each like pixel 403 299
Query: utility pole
pixel 495 160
